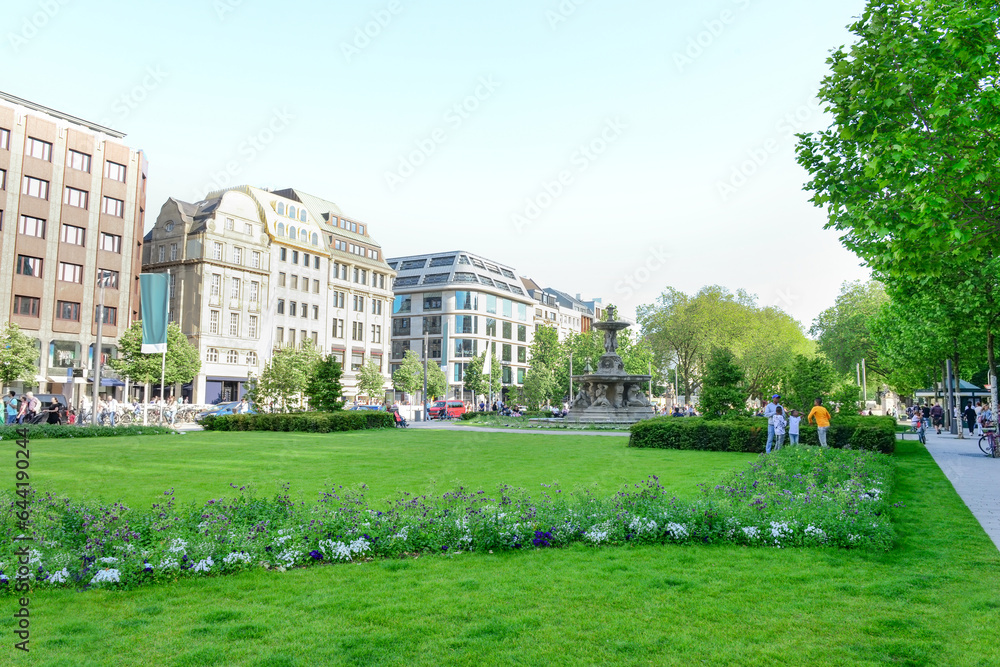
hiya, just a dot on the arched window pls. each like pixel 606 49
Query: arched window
pixel 315 239
pixel 302 215
pixel 304 236
pixel 291 232
pixel 291 212
pixel 281 208
pixel 212 355
pixel 232 357
pixel 251 358
pixel 281 229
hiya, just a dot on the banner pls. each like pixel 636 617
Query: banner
pixel 153 291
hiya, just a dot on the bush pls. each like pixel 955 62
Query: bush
pixel 472 415
pixel 44 431
pixel 307 422
pixel 750 435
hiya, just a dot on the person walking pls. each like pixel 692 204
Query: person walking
pixel 937 417
pixel 970 418
pixel 777 421
pixel 112 409
pixel 10 406
pixel 821 417
pixel 793 427
pixel 769 411
pixel 979 418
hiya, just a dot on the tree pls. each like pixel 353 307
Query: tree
pixel 437 382
pixel 546 348
pixel 480 383
pixel 371 381
pixel 909 168
pixel 182 362
pixel 285 377
pixel 323 388
pixel 844 332
pixel 409 377
pixel 18 356
pixel 723 394
pixel 539 385
pixel 808 378
pixel 847 398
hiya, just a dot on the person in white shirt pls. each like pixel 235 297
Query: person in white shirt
pixel 793 427
pixel 777 423
pixel 769 411
pixel 112 410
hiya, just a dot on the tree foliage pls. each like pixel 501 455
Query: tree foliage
pixel 723 393
pixel 808 378
pixel 323 387
pixel 409 377
pixel 284 381
pixel 480 383
pixel 182 363
pixel 539 386
pixel 18 356
pixel 371 382
pixel 844 331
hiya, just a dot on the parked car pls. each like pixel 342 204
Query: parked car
pixel 446 410
pixel 222 409
pixel 366 407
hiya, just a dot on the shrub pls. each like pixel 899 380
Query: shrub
pixel 43 431
pixel 303 422
pixel 750 435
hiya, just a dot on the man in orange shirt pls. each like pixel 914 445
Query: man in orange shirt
pixel 821 417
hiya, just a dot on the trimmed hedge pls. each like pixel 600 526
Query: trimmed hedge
pixel 530 414
pixel 309 422
pixel 45 431
pixel 750 435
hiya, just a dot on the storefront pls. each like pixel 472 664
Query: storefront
pixel 224 389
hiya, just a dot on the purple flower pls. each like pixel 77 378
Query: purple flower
pixel 444 548
pixel 316 555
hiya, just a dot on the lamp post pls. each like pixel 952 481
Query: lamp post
pixel 423 396
pixel 102 282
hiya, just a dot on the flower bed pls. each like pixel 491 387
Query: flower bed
pixel 798 497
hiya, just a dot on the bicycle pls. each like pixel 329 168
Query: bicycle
pixel 989 443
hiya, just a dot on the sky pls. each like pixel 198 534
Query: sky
pixel 607 149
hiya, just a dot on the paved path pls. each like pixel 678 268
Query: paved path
pixel 453 426
pixel 975 477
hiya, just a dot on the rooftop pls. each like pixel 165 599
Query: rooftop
pixel 93 127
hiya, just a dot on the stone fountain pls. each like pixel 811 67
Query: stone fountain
pixel 610 394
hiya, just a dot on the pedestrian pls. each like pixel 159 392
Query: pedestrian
pixel 33 407
pixel 979 421
pixel 777 421
pixel 10 406
pixel 821 417
pixel 970 418
pixel 52 412
pixel 769 411
pixel 171 410
pixel 244 407
pixel 937 417
pixel 113 409
pixel 793 427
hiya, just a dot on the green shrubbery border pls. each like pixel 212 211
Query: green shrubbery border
pixel 308 422
pixel 750 435
pixel 44 431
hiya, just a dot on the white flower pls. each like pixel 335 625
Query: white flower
pixel 169 564
pixel 752 532
pixel 203 565
pixel 110 576
pixel 813 531
pixel 597 534
pixel 640 525
pixel 341 551
pixel 177 546
pixel 236 557
pixel 677 531
pixel 289 556
pixel 34 556
pixel 58 577
pixel 109 560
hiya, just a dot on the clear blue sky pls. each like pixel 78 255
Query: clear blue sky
pixel 671 100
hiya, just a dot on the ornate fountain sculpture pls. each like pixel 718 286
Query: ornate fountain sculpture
pixel 610 394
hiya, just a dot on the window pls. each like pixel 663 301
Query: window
pixel 315 286
pixel 229 223
pixel 291 212
pixel 31 226
pixel 465 348
pixel 491 304
pixel 359 303
pixel 305 310
pixel 114 171
pixel 232 357
pixel 173 252
pixel 466 324
pixel 432 301
pixel 281 208
pixel 252 327
pixel 251 358
pixel 248 229
pixel 305 259
pixel 254 291
pixel 111 242
pixel 26 305
pixel 35 187
pixel 3 179
pixel 520 376
pixel 295 257
pixel 491 326
pixel 4 139
pixel 234 324
pixel 507 327
pixel 338 328
pixel 68 310
pixel 29 266
pixel 466 300
pixel 295 281
pixel 77 160
pixel 522 311
pixel 401 304
pixel 112 206
pixel 357 361
pixel 212 355
pixel 315 260
pixel 376 333
pixel 293 308
pixel 213 321
pixel 505 354
pixel 237 255
pixel 234 289
pixel 400 326
pixel 508 307
pixel 172 284
pixel 216 250
pixel 281 279
pixel 74 197
pixel 71 273
pixel 357 331
pixel 281 306
pixel 376 306
pixel 161 253
pixel 254 260
pixel 215 286
pixel 338 299
pixel 305 284
pixel 522 333
pixel 110 315
pixel 315 312
pixel 39 149
pixel 283 254
pixel 522 354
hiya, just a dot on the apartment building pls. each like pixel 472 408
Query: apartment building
pixel 252 270
pixel 465 304
pixel 567 314
pixel 72 205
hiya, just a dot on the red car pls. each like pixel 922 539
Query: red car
pixel 446 410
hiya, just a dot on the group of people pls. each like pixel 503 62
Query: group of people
pixel 780 422
pixel 28 409
pixel 975 417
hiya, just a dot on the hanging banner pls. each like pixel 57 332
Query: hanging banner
pixel 153 290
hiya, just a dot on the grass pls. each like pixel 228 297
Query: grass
pixel 931 601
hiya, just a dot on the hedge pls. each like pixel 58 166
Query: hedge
pixel 45 431
pixel 310 422
pixel 750 435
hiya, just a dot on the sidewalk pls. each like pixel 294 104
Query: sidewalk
pixel 975 477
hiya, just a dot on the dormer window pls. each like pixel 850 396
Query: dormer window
pixel 291 212
pixel 281 228
pixel 315 239
pixel 281 208
pixel 303 236
pixel 302 215
pixel 291 232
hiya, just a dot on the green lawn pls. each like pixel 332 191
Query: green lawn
pixel 932 601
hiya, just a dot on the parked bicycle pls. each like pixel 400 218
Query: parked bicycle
pixel 989 443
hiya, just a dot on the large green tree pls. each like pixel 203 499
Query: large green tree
pixel 182 360
pixel 283 383
pixel 323 388
pixel 409 377
pixel 723 394
pixel 18 356
pixel 844 331
pixel 808 378
pixel 480 383
pixel 909 168
pixel 371 381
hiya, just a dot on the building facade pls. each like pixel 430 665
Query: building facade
pixel 72 205
pixel 253 270
pixel 465 304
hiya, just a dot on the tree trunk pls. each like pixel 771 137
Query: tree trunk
pixel 991 360
pixel 958 390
